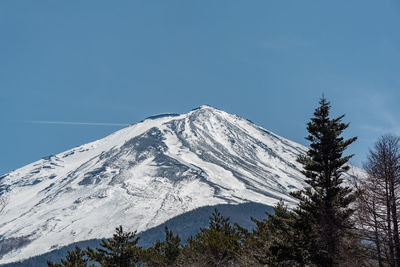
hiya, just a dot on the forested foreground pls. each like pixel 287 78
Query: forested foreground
pixel 336 222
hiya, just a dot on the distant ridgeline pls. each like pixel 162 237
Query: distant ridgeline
pixel 184 225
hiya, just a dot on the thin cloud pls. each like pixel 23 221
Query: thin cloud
pixel 381 106
pixel 78 123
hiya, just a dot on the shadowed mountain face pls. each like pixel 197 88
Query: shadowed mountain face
pixel 143 175
pixel 184 225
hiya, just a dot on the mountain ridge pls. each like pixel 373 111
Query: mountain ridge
pixel 143 175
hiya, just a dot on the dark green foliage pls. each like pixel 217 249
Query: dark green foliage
pixel 189 223
pixel 185 225
pixel 324 204
pixel 276 240
pixel 75 258
pixel 164 253
pixel 119 251
pixel 216 245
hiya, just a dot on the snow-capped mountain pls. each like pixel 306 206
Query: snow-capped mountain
pixel 143 175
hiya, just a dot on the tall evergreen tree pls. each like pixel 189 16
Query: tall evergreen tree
pixel 119 251
pixel 324 204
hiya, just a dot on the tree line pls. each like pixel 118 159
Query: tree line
pixel 337 221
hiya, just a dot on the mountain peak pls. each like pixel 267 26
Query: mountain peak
pixel 205 107
pixel 143 175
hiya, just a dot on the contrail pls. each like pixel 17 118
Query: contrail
pixel 79 123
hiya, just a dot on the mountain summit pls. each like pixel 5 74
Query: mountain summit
pixel 143 175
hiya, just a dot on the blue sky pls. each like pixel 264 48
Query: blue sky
pixel 116 62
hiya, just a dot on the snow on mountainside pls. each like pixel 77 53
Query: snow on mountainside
pixel 142 176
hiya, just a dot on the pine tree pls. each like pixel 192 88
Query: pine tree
pixel 216 245
pixel 75 258
pixel 164 253
pixel 324 204
pixel 119 251
pixel 276 240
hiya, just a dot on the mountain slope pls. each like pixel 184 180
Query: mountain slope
pixel 142 176
pixel 184 225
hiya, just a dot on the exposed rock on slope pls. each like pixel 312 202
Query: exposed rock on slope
pixel 142 176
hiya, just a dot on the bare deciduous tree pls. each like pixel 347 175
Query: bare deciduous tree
pixel 378 200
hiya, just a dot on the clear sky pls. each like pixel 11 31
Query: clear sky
pixel 108 63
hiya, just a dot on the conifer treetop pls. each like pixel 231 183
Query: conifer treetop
pixel 324 158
